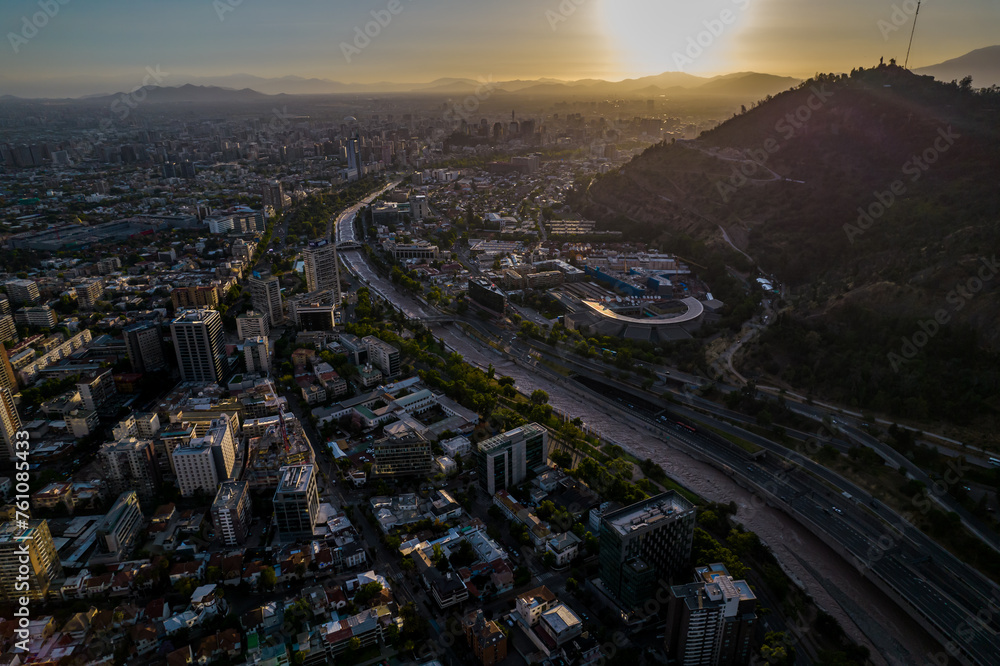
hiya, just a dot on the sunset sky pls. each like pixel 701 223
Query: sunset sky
pixel 93 46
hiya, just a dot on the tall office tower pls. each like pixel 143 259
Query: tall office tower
pixel 42 565
pixel 7 378
pixel 231 512
pixel 265 294
pixel 296 501
pixel 10 422
pixel 130 464
pixel 200 346
pixel 405 452
pixel 643 544
pixel 23 292
pixel 257 355
pixel 144 344
pixel 711 622
pixel 503 461
pixel 322 270
pixel 252 324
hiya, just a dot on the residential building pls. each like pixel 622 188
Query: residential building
pixel 40 316
pixel 130 464
pixel 42 565
pixel 200 346
pixel 253 324
pixel 8 329
pixel 296 501
pixel 195 297
pixel 456 446
pixel 10 423
pixel 533 603
pixel 144 344
pixel 564 547
pixel 643 545
pixel 231 512
pixel 82 422
pixel 89 292
pixel 560 624
pixel 7 378
pixel 406 453
pixel 121 528
pixel 257 355
pixel 97 390
pixel 711 622
pixel 265 295
pixel 487 641
pixel 503 461
pixel 194 465
pixel 383 356
pixel 22 292
pixel 322 269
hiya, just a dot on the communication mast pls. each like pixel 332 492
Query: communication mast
pixel 906 65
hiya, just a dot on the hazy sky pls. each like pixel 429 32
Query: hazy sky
pixel 105 45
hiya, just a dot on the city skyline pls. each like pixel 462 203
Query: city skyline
pixel 59 54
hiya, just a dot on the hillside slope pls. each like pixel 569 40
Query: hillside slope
pixel 804 181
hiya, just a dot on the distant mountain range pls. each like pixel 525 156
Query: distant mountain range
pixel 983 65
pixel 248 88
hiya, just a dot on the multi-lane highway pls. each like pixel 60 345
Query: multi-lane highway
pixel 947 595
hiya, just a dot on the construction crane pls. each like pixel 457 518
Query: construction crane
pixel 906 65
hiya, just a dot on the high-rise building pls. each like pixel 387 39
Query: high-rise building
pixel 144 344
pixel 22 292
pixel 322 269
pixel 273 194
pixel 405 452
pixel 644 544
pixel 504 461
pixel 7 378
pixel 382 355
pixel 130 464
pixel 711 622
pixel 121 528
pixel 195 468
pixel 27 556
pixel 253 324
pixel 89 292
pixel 8 329
pixel 296 501
pixel 200 346
pixel 257 354
pixel 265 294
pixel 231 512
pixel 10 423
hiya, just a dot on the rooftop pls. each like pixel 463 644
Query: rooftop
pixel 647 513
pixel 500 440
pixel 295 478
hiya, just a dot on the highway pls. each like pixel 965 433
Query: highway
pixel 926 580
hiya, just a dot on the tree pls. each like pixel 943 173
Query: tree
pixel 549 559
pixel 354 644
pixel 539 397
pixel 268 579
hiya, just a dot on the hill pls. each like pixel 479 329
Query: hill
pixel 873 197
pixel 983 65
pixel 186 94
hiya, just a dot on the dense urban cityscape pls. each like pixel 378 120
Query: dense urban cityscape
pixel 490 371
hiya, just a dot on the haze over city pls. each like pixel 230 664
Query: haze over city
pixel 101 46
pixel 527 332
